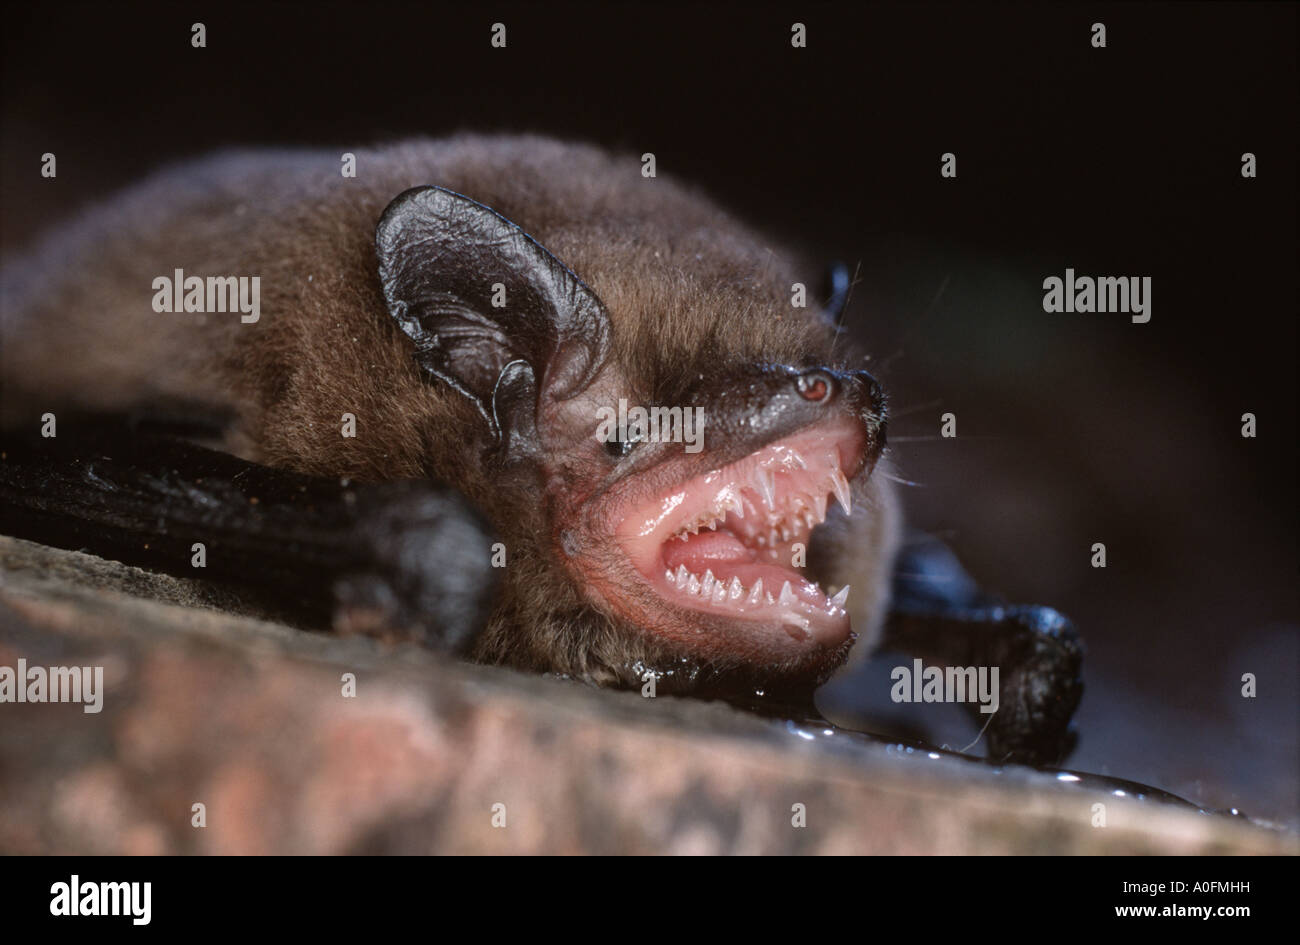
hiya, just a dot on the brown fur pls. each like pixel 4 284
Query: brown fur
pixel 688 290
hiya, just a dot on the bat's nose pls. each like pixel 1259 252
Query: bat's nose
pixel 870 394
pixel 856 391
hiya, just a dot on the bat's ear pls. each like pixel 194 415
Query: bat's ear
pixel 491 312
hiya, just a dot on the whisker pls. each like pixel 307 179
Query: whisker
pixel 965 436
pixel 929 538
pixel 938 295
pixel 848 297
pixel 979 736
pixel 880 367
pixel 901 482
pixel 916 408
pixel 917 323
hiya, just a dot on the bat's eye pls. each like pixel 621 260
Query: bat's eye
pixel 813 385
pixel 619 448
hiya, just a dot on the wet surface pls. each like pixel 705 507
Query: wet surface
pixel 821 731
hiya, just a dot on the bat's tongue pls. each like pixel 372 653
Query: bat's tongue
pixel 728 571
pixel 706 550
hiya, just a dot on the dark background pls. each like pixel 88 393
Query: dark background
pixel 1073 428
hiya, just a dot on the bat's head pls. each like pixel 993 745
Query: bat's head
pixel 673 455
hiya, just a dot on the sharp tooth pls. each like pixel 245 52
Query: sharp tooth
pixel 798 459
pixel 767 485
pixel 693 585
pixel 756 594
pixel 735 589
pixel 842 494
pixel 773 537
pixel 761 541
pixel 819 506
pixel 839 599
pixel 719 593
pixel 668 575
pixel 706 586
pixel 682 576
pixel 787 595
pixel 770 598
pixel 695 528
pixel 810 519
pixel 713 525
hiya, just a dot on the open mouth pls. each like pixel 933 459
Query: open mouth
pixel 730 542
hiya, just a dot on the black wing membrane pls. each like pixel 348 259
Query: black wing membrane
pixel 399 559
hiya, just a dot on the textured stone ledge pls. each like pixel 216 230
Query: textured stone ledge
pixel 247 717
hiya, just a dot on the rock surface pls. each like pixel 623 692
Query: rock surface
pixel 249 719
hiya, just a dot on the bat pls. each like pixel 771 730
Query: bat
pixel 456 329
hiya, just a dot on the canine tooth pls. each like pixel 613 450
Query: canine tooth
pixel 767 485
pixel 693 585
pixel 756 594
pixel 735 589
pixel 842 494
pixel 787 595
pixel 839 599
pixel 706 586
pixel 682 576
